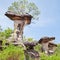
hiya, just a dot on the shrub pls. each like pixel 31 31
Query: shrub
pixel 12 53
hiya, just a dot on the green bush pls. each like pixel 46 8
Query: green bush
pixel 12 53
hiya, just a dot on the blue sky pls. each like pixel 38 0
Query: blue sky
pixel 47 25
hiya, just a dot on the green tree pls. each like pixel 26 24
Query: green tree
pixel 22 7
pixel 7 32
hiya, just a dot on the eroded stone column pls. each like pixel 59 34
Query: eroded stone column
pixel 30 53
pixel 18 30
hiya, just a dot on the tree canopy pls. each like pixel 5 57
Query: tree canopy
pixel 24 7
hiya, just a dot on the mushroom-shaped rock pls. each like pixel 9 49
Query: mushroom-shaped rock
pixel 19 22
pixel 44 42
